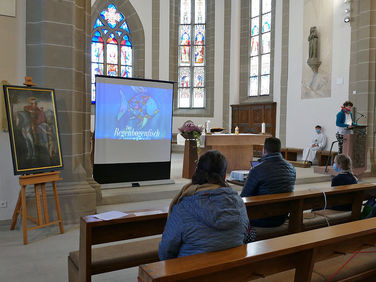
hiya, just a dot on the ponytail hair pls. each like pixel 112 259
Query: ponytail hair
pixel 211 168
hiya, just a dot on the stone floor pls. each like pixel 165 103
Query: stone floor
pixel 44 259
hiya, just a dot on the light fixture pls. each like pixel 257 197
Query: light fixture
pixel 347 19
pixel 346 1
pixel 347 10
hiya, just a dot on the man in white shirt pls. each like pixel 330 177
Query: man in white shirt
pixel 318 143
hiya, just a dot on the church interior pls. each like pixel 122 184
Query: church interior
pixel 240 70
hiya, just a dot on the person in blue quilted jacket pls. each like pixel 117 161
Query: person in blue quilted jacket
pixel 273 175
pixel 207 215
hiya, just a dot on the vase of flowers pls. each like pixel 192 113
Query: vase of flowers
pixel 191 131
pixel 192 134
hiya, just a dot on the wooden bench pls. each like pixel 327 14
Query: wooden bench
pixel 90 261
pixel 322 157
pixel 297 251
pixel 291 154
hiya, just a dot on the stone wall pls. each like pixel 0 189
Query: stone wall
pixel 58 57
pixel 363 68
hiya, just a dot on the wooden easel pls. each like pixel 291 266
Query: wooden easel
pixel 36 180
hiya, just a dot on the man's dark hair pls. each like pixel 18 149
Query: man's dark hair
pixel 211 168
pixel 272 145
pixel 348 103
pixel 318 126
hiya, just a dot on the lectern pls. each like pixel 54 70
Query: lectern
pixel 355 146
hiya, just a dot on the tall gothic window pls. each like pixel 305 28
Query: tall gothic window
pixel 111 47
pixel 259 61
pixel 192 53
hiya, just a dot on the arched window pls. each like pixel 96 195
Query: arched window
pixel 192 54
pixel 259 51
pixel 111 47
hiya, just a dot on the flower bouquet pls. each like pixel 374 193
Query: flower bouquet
pixel 191 131
pixel 192 135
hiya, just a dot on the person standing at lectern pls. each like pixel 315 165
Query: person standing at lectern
pixel 318 143
pixel 273 175
pixel 344 122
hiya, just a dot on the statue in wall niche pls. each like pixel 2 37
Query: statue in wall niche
pixel 313 60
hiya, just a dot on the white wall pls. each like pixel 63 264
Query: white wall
pixel 304 114
pixel 12 69
pixel 144 11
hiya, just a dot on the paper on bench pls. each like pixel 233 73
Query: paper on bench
pixel 147 212
pixel 110 215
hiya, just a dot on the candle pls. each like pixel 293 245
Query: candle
pixel 263 128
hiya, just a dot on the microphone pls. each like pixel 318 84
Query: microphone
pixel 361 115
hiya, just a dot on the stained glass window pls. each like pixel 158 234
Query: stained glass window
pixel 111 47
pixel 191 54
pixel 260 47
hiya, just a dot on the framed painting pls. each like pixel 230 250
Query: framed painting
pixel 33 129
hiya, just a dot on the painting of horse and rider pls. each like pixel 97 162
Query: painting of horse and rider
pixel 33 129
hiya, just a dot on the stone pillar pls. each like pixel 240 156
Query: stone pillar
pixel 363 68
pixel 226 66
pixel 284 71
pixel 156 5
pixel 58 57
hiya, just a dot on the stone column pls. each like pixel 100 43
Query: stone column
pixel 226 66
pixel 156 5
pixel 284 71
pixel 363 68
pixel 58 57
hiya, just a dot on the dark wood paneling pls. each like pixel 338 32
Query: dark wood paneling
pixel 249 117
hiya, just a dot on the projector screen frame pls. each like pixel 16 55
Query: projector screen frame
pixel 105 173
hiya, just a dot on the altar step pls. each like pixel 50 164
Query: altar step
pixel 147 193
pixel 300 164
pixel 119 195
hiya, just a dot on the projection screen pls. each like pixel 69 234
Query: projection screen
pixel 133 124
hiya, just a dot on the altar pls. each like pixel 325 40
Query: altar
pixel 238 149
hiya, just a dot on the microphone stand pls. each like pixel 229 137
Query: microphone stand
pixel 330 156
pixel 361 115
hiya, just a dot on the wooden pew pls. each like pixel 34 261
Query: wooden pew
pixel 291 154
pixel 300 251
pixel 322 157
pixel 295 203
pixel 89 261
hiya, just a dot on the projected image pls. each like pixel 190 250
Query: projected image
pixel 132 112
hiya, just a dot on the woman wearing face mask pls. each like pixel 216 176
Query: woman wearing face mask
pixel 342 165
pixel 344 122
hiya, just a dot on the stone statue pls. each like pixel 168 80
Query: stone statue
pixel 313 60
pixel 313 39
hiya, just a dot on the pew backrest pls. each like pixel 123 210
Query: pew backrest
pixel 136 224
pixel 299 251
